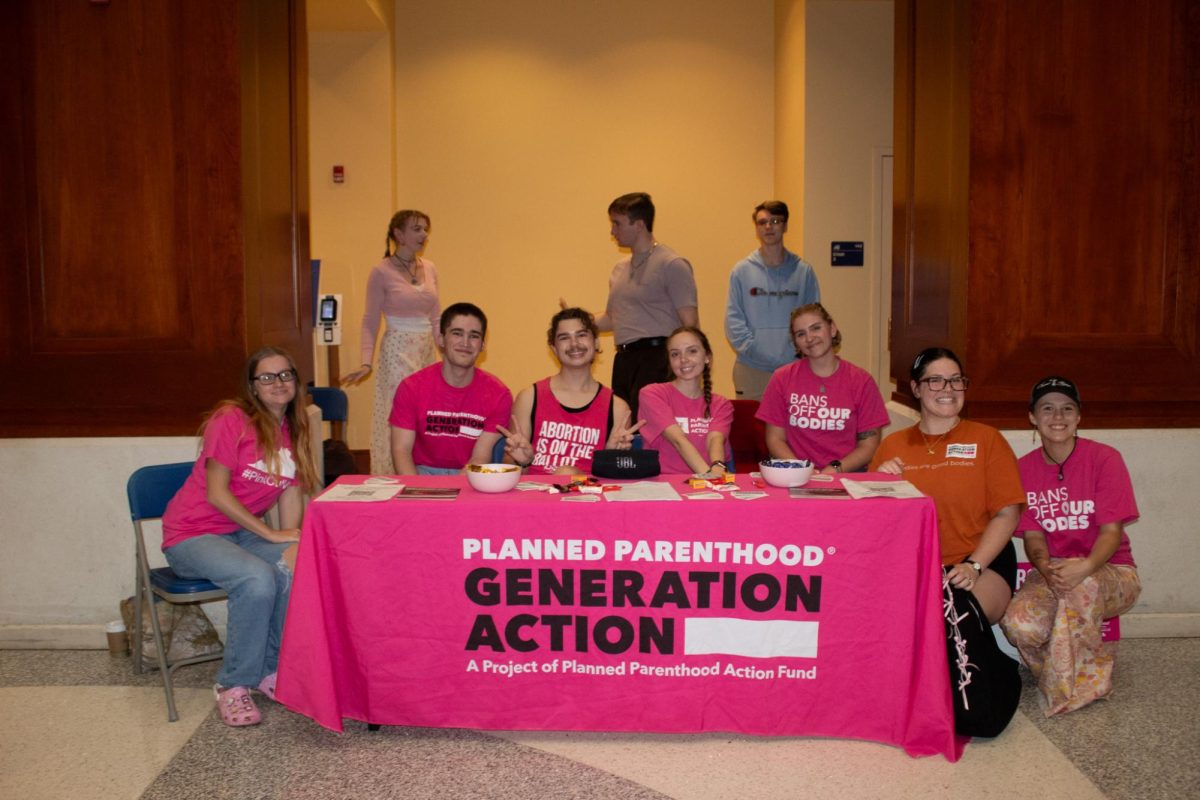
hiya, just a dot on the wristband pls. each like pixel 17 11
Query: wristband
pixel 717 464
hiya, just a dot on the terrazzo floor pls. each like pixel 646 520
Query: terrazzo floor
pixel 79 724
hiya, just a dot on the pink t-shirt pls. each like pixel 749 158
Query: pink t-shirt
pixel 448 419
pixel 822 417
pixel 567 437
pixel 1095 490
pixel 229 438
pixel 662 405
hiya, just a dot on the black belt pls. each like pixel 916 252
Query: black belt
pixel 642 344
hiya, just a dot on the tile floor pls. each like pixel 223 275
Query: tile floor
pixel 79 724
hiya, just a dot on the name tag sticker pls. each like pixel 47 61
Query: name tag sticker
pixel 961 450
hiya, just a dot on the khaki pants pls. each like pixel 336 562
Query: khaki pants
pixel 749 383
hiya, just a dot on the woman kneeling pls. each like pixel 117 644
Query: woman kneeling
pixel 971 473
pixel 1080 499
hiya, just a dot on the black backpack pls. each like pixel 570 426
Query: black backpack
pixel 338 460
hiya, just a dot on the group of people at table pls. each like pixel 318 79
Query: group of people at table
pixel 1069 499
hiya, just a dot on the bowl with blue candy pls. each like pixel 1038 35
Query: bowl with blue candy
pixel 786 472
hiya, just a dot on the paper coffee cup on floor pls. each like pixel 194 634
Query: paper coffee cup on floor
pixel 118 639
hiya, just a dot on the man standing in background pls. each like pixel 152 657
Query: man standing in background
pixel 764 287
pixel 650 294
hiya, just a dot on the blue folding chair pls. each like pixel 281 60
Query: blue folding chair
pixel 335 408
pixel 149 490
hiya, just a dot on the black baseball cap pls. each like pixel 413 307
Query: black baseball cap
pixel 1053 384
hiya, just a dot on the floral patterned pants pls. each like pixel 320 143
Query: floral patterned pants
pixel 1059 638
pixel 401 353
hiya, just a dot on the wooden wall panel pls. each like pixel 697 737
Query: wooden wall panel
pixel 16 188
pixel 86 219
pixel 278 297
pixel 930 183
pixel 1082 212
pixel 125 303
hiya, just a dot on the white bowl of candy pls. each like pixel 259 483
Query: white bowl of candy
pixel 493 478
pixel 786 472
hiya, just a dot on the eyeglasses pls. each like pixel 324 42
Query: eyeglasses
pixel 958 383
pixel 267 378
pixel 773 222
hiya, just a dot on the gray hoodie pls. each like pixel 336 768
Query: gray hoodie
pixel 761 300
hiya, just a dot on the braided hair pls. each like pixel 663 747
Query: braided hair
pixel 707 378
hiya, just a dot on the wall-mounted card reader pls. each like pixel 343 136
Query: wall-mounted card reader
pixel 329 319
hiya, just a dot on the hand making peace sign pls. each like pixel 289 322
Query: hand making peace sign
pixel 516 445
pixel 621 437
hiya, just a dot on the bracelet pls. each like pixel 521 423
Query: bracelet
pixel 717 463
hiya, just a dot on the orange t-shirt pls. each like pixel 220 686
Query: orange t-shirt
pixel 971 476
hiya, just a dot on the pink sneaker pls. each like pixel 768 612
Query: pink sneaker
pixel 267 685
pixel 237 707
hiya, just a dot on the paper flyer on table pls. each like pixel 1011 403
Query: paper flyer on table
pixel 901 490
pixel 643 490
pixel 361 492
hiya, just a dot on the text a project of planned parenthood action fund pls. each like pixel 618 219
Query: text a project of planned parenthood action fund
pixel 651 602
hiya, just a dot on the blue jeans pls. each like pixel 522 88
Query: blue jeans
pixel 252 571
pixel 423 470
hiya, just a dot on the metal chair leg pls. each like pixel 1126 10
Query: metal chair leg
pixel 172 714
pixel 138 650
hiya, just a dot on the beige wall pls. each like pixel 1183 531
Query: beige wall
pixel 519 122
pixel 848 123
pixel 516 124
pixel 790 72
pixel 350 124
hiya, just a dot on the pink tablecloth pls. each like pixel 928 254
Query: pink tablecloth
pixel 774 616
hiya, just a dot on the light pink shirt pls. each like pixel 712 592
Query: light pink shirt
pixel 390 293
